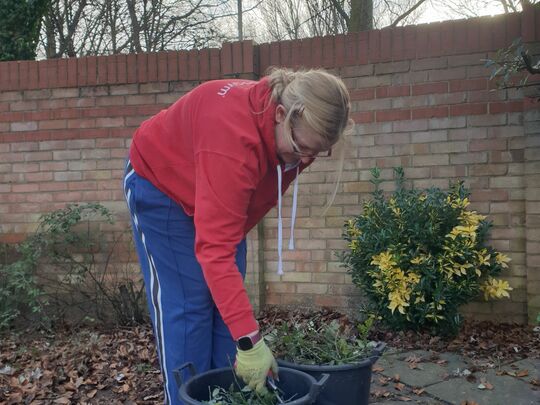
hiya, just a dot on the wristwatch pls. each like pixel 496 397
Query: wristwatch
pixel 247 342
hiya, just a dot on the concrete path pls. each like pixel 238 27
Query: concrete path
pixel 430 378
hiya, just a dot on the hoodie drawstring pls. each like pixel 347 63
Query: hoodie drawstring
pixel 280 221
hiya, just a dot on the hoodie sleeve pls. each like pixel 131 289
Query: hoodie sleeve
pixel 224 186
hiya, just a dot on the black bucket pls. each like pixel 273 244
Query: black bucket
pixel 347 384
pixel 300 387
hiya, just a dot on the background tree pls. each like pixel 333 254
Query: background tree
pixel 20 22
pixel 292 19
pixel 97 27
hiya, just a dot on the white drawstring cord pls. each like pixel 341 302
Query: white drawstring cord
pixel 280 225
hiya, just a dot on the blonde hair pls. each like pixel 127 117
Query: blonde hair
pixel 318 98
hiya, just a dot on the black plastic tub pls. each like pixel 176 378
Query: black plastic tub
pixel 347 384
pixel 302 388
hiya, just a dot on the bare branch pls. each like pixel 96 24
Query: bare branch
pixel 404 15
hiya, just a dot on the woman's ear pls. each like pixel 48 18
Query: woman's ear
pixel 281 113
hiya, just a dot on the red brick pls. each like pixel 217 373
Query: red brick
pixel 226 59
pixel 392 115
pixel 393 91
pixel 131 68
pixel 362 117
pixel 237 59
pixel 33 75
pixel 386 45
pixel 339 50
pixel 434 40
pixel 328 60
pixel 171 61
pixel 38 177
pixel 363 48
pixel 296 54
pixel 91 70
pixel 429 112
pixel 429 88
pixel 215 68
pixel 351 48
pixel 23 79
pixel 102 75
pixel 71 72
pixel 476 145
pixel 142 67
pixel 248 56
pixel 473 34
pixel 513 27
pixel 25 188
pixel 37 115
pixel 374 46
pixel 4 76
pixel 316 51
pixel 510 106
pixel 52 186
pixel 460 36
pixel 43 77
pixel 152 67
pixel 398 43
pixel 468 109
pixel 193 64
pixel 468 84
pixel 362 94
pixel 409 41
pixel 264 57
pixel 422 37
pixel 69 196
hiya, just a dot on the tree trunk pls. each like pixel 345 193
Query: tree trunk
pixel 361 18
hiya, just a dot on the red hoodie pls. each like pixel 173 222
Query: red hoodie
pixel 214 153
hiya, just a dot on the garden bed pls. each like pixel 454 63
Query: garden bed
pixel 119 366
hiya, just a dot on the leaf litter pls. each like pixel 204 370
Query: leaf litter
pixel 119 365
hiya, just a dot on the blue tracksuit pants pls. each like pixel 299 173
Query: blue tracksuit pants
pixel 187 325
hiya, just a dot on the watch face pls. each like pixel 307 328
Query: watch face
pixel 245 343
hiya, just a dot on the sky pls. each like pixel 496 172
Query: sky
pixel 435 13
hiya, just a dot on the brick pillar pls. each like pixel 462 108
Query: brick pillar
pixel 530 33
pixel 532 207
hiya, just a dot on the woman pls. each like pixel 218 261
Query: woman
pixel 200 175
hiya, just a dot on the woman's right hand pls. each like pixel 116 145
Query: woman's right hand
pixel 253 365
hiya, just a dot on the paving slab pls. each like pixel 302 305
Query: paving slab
pixel 526 369
pixel 506 390
pixel 431 368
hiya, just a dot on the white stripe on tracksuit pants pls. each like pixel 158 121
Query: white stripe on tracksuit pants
pixel 187 325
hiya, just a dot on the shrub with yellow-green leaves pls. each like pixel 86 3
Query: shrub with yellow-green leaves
pixel 421 254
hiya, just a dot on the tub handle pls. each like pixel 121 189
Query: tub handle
pixel 317 386
pixel 178 375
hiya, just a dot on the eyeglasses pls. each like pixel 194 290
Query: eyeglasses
pixel 300 153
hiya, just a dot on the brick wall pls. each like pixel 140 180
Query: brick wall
pixel 421 100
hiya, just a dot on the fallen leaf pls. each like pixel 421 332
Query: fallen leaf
pixel 399 386
pixel 91 394
pixel 413 359
pixel 377 369
pixel 522 373
pixel 396 377
pixel 418 391
pixel 405 399
pixel 383 380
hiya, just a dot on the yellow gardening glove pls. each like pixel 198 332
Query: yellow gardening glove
pixel 253 365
